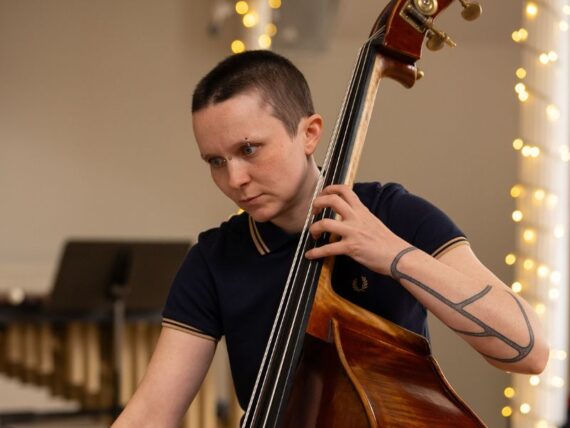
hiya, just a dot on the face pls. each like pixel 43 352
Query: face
pixel 255 162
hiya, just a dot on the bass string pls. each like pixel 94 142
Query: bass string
pixel 302 296
pixel 279 327
pixel 305 238
pixel 289 350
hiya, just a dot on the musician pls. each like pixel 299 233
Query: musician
pixel 257 130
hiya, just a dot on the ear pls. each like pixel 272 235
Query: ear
pixel 310 130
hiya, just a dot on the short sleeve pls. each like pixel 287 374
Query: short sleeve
pixel 192 304
pixel 423 224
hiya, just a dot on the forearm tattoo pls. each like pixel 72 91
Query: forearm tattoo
pixel 459 307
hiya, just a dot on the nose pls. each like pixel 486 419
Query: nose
pixel 238 173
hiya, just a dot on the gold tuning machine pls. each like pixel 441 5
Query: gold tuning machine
pixel 436 39
pixel 471 10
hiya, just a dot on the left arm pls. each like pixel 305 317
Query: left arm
pixel 457 287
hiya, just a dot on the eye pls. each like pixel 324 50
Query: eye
pixel 249 149
pixel 216 162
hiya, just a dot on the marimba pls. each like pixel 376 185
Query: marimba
pixel 68 342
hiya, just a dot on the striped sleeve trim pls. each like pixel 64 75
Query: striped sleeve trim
pixel 169 323
pixel 455 242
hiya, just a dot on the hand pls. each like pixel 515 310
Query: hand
pixel 363 237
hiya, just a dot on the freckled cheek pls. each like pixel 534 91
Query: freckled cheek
pixel 219 180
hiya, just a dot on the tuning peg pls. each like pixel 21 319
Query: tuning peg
pixel 436 40
pixel 471 10
pixel 419 74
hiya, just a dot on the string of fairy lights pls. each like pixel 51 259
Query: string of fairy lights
pixel 541 197
pixel 257 25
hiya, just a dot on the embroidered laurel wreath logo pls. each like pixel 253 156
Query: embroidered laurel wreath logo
pixel 360 284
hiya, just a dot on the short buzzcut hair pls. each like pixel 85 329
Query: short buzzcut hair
pixel 279 83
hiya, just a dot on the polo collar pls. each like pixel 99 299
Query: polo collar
pixel 267 237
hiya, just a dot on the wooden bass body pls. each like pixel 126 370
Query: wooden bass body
pixel 359 370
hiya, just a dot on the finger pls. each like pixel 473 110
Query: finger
pixel 344 191
pixel 333 201
pixel 328 225
pixel 332 249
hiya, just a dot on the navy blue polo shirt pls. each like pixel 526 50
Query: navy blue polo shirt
pixel 231 281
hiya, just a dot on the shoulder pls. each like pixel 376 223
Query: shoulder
pixel 392 201
pixel 227 237
pixel 383 199
pixel 411 217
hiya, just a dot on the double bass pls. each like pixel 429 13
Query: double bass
pixel 329 363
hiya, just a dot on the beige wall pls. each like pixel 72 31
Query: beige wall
pixel 95 138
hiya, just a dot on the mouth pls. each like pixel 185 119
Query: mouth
pixel 249 200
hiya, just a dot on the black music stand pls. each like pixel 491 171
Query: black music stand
pixel 90 271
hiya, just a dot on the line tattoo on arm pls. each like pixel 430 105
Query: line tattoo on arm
pixel 459 307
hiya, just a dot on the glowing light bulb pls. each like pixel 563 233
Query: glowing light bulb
pixel 558 231
pixel 506 411
pixel 264 41
pixel 534 152
pixel 517 216
pixel 540 308
pixel 529 152
pixel 523 96
pixel 531 9
pixel 552 112
pixel 518 143
pixel 271 29
pixel 516 191
pixel 520 35
pixel 539 194
pixel 543 58
pixel 528 264
pixel 274 4
pixel 534 380
pixel 555 277
pixel 526 151
pixel 552 56
pixel 552 200
pixel 242 7
pixel 520 87
pixel 529 236
pixel 542 424
pixel 557 382
pixel 566 9
pixel 521 73
pixel 553 294
pixel 509 392
pixel 543 271
pixel 250 19
pixel 516 287
pixel 510 259
pixel 237 46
